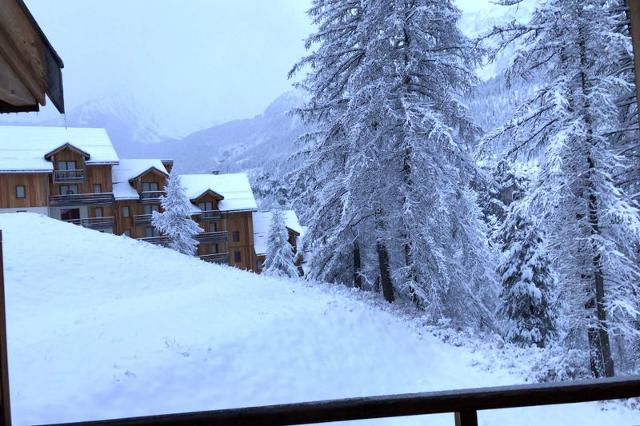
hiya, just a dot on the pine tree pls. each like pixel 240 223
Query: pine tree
pixel 388 163
pixel 280 258
pixel 526 278
pixel 175 219
pixel 579 50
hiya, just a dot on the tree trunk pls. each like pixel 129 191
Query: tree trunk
pixel 357 265
pixel 598 335
pixel 385 274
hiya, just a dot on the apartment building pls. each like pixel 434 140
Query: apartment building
pixel 75 175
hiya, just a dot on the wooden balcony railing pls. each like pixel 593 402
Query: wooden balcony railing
pixel 222 258
pixel 68 176
pixel 141 219
pixel 464 404
pixel 98 198
pixel 160 240
pixel 211 237
pixel 210 215
pixel 94 222
pixel 151 196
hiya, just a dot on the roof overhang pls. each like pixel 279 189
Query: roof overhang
pixel 217 196
pixel 150 169
pixel 30 69
pixel 68 146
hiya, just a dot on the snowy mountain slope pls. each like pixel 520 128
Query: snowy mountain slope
pixel 103 326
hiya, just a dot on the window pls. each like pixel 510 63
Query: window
pixel 235 236
pixel 212 227
pixel 206 206
pixel 125 211
pixel 149 186
pixel 237 257
pixel 127 233
pixel 66 165
pixel 214 248
pixel 21 191
pixel 68 189
pixel 98 212
pixel 149 208
pixel 150 231
pixel 97 188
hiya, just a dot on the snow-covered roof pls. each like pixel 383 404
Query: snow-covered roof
pixel 234 187
pixel 22 148
pixel 128 169
pixel 262 224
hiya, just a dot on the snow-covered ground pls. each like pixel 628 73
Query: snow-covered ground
pixel 104 326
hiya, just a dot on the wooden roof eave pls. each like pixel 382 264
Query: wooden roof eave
pixel 30 69
pixel 70 147
pixel 150 169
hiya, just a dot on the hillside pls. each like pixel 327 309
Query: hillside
pixel 103 326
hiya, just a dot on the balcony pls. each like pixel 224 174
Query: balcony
pixel 68 176
pixel 222 258
pixel 151 196
pixel 94 222
pixel 142 219
pixel 211 237
pixel 93 199
pixel 210 215
pixel 160 240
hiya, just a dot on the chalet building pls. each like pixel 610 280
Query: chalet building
pixel 75 175
pixel 261 227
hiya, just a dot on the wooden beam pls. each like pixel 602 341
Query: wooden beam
pixel 5 401
pixel 634 19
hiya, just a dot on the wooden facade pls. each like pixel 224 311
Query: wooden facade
pixel 36 190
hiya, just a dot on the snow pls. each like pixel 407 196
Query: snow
pixel 234 187
pixel 22 148
pixel 102 326
pixel 129 169
pixel 262 224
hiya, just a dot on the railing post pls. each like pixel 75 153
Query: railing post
pixel 5 419
pixel 467 418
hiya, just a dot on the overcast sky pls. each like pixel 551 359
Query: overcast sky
pixel 189 63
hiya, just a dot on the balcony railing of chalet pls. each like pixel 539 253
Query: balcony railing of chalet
pixel 211 237
pixel 94 222
pixel 215 257
pixel 210 215
pixel 160 240
pixel 464 404
pixel 97 198
pixel 141 219
pixel 153 196
pixel 66 176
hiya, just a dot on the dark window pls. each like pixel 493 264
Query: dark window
pixel 69 214
pixel 235 236
pixel 66 165
pixel 206 206
pixel 149 186
pixel 212 227
pixel 97 188
pixel 148 208
pixel 237 257
pixel 98 212
pixel 214 248
pixel 21 191
pixel 125 211
pixel 68 189
pixel 150 231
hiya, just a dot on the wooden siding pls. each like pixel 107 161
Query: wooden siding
pixel 150 176
pixel 241 222
pixel 122 223
pixel 36 190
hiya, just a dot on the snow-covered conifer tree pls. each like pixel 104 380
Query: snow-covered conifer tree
pixel 387 164
pixel 280 258
pixel 580 52
pixel 525 273
pixel 175 219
